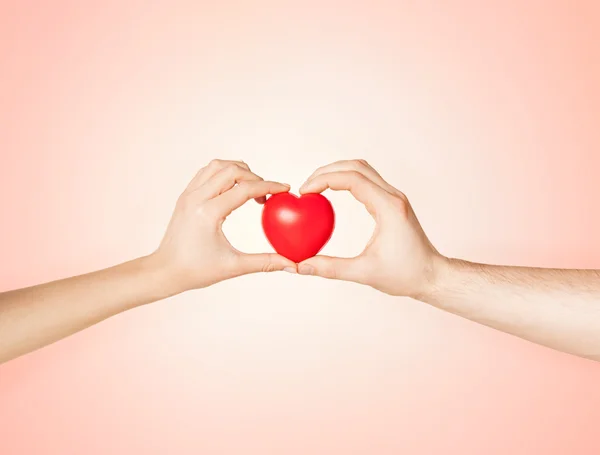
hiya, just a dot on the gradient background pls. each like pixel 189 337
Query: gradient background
pixel 484 113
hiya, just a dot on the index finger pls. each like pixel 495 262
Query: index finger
pixel 353 165
pixel 362 188
pixel 210 171
pixel 242 193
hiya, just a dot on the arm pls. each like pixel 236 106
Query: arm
pixel 33 317
pixel 556 308
pixel 193 254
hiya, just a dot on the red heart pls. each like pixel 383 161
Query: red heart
pixel 298 227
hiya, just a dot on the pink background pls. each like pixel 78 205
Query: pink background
pixel 485 113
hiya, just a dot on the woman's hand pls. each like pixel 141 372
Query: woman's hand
pixel 194 250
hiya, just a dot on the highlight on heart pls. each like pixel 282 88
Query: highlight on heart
pixel 298 227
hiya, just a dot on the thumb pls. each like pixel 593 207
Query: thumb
pixel 346 269
pixel 266 262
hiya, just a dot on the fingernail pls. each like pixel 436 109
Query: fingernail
pixel 289 270
pixel 306 270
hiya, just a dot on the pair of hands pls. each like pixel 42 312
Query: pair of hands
pixel 398 260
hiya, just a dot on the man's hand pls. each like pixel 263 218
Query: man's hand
pixel 556 308
pixel 399 259
pixel 194 250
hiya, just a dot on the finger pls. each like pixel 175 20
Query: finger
pixel 210 170
pixel 347 269
pixel 362 188
pixel 353 165
pixel 246 190
pixel 266 262
pixel 224 180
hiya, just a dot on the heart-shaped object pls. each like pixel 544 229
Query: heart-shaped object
pixel 298 227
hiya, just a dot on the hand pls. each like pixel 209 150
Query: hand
pixel 399 259
pixel 194 250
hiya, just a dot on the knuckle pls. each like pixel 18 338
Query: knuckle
pixel 183 201
pixel 205 212
pixel 202 169
pixel 400 204
pixel 356 176
pixel 230 167
pixel 353 165
pixel 359 163
pixel 231 170
pixel 216 163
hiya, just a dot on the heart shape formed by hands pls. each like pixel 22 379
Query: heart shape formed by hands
pixel 298 227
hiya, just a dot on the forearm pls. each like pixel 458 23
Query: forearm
pixel 557 308
pixel 33 317
pixel 193 254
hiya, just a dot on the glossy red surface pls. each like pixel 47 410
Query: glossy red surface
pixel 298 227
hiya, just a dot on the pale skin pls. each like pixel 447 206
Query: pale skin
pixel 556 308
pixel 194 254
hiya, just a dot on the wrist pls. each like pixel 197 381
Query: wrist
pixel 161 278
pixel 436 275
pixel 450 274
